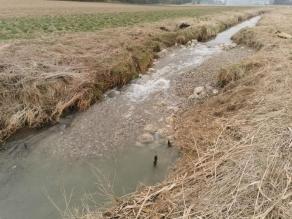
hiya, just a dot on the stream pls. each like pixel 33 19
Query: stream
pixel 91 157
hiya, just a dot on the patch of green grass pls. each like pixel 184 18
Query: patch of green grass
pixel 27 27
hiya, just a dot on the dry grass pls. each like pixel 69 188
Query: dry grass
pixel 65 74
pixel 236 147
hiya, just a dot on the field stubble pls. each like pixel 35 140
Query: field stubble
pixel 34 8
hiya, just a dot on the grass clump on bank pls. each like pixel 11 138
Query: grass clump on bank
pixel 27 27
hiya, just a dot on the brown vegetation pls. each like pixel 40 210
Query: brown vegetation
pixel 236 147
pixel 43 79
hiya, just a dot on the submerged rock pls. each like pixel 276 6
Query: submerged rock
pixel 228 46
pixel 150 128
pixel 192 43
pixel 113 93
pixel 146 138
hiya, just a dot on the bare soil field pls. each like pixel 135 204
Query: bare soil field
pixel 42 79
pixel 17 8
pixel 32 8
pixel 236 146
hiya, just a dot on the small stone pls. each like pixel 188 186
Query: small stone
pixel 113 93
pixel 162 132
pixel 161 104
pixel 215 91
pixel 192 97
pixel 151 69
pixel 199 90
pixel 192 43
pixel 139 144
pixel 209 88
pixel 150 128
pixel 199 93
pixel 169 120
pixel 146 138
pixel 63 126
pixel 229 46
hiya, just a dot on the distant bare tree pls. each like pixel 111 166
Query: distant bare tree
pixel 283 2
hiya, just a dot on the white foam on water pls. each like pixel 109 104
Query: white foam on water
pixel 181 60
pixel 177 62
pixel 139 92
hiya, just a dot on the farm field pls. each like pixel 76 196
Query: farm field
pixel 16 8
pixel 32 8
pixel 100 18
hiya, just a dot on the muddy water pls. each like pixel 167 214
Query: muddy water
pixel 105 151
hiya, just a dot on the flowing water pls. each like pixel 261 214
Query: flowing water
pixel 105 151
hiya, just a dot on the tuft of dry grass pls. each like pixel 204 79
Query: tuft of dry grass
pixel 44 79
pixel 235 72
pixel 236 147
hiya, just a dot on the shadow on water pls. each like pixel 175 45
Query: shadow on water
pixel 38 181
pixel 36 186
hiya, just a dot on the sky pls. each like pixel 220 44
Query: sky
pixel 245 2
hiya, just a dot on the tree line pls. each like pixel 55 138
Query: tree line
pixel 143 1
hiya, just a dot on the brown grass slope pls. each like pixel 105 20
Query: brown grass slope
pixel 236 147
pixel 43 79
